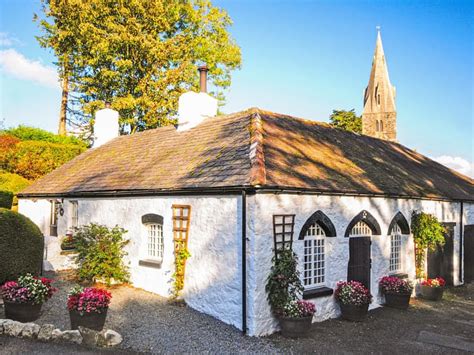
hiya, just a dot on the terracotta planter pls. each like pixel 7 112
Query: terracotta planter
pixel 397 300
pixel 354 313
pixel 432 293
pixel 295 327
pixel 22 312
pixel 93 321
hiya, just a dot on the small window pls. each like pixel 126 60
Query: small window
pixel 53 223
pixel 314 258
pixel 74 208
pixel 155 241
pixel 378 99
pixel 381 125
pixel 396 249
pixel 377 125
pixel 361 229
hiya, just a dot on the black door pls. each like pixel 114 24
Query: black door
pixel 440 261
pixel 359 260
pixel 469 253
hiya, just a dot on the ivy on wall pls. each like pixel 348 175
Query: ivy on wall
pixel 181 221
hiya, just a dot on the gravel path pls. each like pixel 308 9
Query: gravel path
pixel 150 324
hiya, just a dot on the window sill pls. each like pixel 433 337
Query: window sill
pixel 150 263
pixel 317 292
pixel 400 275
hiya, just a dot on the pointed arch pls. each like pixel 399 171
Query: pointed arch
pixel 320 218
pixel 368 219
pixel 402 222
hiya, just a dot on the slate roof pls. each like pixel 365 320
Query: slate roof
pixel 253 148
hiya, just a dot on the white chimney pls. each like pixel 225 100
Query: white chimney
pixel 106 125
pixel 194 107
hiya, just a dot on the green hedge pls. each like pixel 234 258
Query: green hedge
pixel 6 199
pixel 21 245
pixel 33 159
pixel 26 133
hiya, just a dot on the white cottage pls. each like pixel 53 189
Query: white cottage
pixel 245 181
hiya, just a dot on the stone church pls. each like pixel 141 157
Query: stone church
pixel 237 187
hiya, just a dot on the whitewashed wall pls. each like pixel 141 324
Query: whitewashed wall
pixel 213 272
pixel 341 210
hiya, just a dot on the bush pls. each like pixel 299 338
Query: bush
pixel 6 199
pixel 21 246
pixel 26 133
pixel 33 159
pixel 12 182
pixel 100 253
pixel 7 146
pixel 352 292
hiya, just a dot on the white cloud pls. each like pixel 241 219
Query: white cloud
pixel 457 163
pixel 17 65
pixel 6 40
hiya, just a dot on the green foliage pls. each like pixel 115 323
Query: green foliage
pixel 181 255
pixel 428 233
pixel 347 120
pixel 33 159
pixel 12 182
pixel 26 133
pixel 283 284
pixel 21 246
pixel 6 199
pixel 138 54
pixel 100 253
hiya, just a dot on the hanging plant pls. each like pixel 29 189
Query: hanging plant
pixel 181 255
pixel 428 233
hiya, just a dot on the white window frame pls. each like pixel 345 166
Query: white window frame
pixel 396 250
pixel 361 229
pixel 154 243
pixel 314 257
pixel 74 214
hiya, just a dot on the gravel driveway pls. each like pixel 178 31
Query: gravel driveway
pixel 149 323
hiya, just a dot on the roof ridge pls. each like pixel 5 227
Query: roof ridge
pixel 258 174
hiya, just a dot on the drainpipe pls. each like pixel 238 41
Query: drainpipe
pixel 244 262
pixel 461 245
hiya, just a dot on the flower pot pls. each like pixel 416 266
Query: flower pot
pixel 68 247
pixel 295 327
pixel 432 293
pixel 397 300
pixel 22 312
pixel 93 321
pixel 355 313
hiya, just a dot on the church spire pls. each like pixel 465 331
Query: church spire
pixel 379 118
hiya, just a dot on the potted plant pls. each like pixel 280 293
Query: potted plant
pixel 432 289
pixel 283 289
pixel 68 243
pixel 397 291
pixel 354 299
pixel 23 298
pixel 88 307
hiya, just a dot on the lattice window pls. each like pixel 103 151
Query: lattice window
pixel 361 229
pixel 155 241
pixel 283 227
pixel 314 258
pixel 396 249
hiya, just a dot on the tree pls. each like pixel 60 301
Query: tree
pixel 138 54
pixel 347 120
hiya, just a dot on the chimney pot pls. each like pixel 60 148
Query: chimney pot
pixel 203 77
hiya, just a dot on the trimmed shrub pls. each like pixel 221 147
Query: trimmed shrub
pixel 6 199
pixel 33 159
pixel 21 245
pixel 12 182
pixel 26 133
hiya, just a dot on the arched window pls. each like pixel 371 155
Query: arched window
pixel 396 249
pixel 154 237
pixel 377 126
pixel 361 229
pixel 314 268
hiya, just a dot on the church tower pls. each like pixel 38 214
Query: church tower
pixel 379 118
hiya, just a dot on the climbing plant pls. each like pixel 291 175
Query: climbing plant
pixel 181 255
pixel 428 233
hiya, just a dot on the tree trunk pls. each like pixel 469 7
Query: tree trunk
pixel 63 110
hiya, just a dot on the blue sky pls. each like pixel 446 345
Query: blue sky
pixel 303 58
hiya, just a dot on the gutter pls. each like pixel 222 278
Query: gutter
pixel 244 262
pixel 461 245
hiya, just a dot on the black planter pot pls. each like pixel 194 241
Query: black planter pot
pixel 295 327
pixel 22 312
pixel 93 321
pixel 432 293
pixel 354 313
pixel 68 247
pixel 397 300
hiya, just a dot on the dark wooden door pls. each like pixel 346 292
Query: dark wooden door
pixel 440 261
pixel 469 253
pixel 359 265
